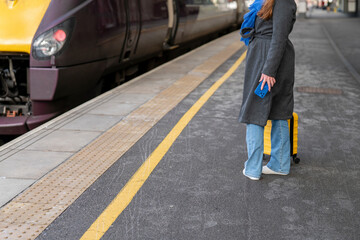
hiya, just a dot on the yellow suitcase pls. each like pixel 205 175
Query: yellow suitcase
pixel 293 128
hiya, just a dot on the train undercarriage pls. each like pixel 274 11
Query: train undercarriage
pixel 14 95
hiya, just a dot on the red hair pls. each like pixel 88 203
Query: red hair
pixel 266 11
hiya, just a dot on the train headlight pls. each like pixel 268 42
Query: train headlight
pixel 53 41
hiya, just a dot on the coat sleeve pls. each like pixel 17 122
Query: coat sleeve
pixel 283 21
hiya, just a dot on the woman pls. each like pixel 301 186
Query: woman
pixel 270 60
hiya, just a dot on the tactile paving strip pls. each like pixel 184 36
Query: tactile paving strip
pixel 33 210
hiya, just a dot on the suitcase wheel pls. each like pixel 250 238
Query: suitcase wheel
pixel 296 159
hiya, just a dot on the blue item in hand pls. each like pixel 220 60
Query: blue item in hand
pixel 261 93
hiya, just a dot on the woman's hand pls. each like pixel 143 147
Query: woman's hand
pixel 267 79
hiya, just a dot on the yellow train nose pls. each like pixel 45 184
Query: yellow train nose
pixel 19 20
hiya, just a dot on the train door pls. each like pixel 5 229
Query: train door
pixel 188 12
pixel 154 28
pixel 133 17
pixel 173 13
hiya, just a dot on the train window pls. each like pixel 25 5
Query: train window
pixel 209 2
pixel 201 2
pixel 205 9
pixel 219 4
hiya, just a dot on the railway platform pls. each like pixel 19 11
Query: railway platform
pixel 161 156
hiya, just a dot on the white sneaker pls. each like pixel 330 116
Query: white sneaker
pixel 252 178
pixel 266 170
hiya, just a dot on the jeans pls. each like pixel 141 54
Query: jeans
pixel 280 148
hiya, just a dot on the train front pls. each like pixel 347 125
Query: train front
pixel 38 63
pixel 19 21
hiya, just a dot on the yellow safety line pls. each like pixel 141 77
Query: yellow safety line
pixel 127 193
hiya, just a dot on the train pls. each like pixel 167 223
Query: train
pixel 54 54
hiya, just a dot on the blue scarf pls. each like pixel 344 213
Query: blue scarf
pixel 247 27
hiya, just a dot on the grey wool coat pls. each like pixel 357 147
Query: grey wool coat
pixel 270 52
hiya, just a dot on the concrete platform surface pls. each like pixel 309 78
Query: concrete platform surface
pixel 197 190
